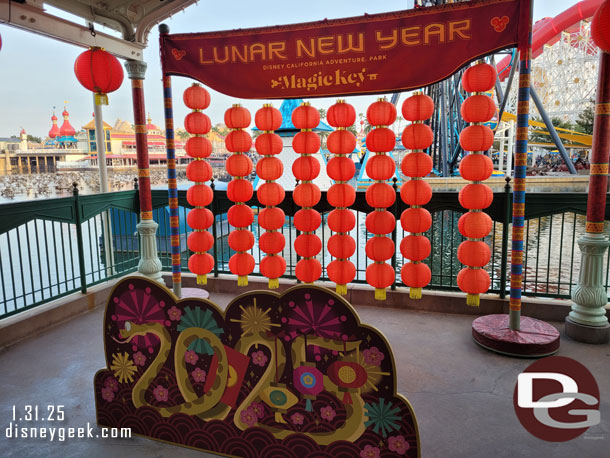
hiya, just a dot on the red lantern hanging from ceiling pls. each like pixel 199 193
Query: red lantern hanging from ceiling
pixel 477 138
pixel 416 164
pixel 199 195
pixel 240 216
pixel 306 194
pixel 380 195
pixel 100 72
pixel 270 194
pixel 341 194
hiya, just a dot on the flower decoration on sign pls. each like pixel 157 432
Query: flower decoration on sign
pixel 328 413
pixel 139 359
pixel 259 358
pixel 198 375
pixel 112 384
pixel 382 417
pixel 297 418
pixel 370 452
pixel 373 356
pixel 196 318
pixel 258 408
pixel 191 357
pixel 161 393
pixel 107 394
pixel 174 313
pixel 398 444
pixel 123 367
pixel 249 417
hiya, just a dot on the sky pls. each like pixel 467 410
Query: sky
pixel 37 72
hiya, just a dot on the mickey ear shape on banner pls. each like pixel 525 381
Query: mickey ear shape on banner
pixel 100 72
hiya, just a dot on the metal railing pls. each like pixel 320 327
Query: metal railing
pixel 53 247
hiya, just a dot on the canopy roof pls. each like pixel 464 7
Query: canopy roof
pixel 132 18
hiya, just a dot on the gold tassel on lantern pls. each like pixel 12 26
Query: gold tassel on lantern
pixel 101 99
pixel 380 294
pixel 473 300
pixel 242 280
pixel 415 293
pixel 274 283
pixel 202 279
pixel 341 289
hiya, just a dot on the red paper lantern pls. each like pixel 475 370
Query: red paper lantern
pixel 341 142
pixel 417 164
pixel 380 249
pixel 381 140
pixel 240 216
pixel 415 275
pixel 417 136
pixel 306 195
pixel 478 108
pixel 197 123
pixel 200 195
pixel 239 165
pixel 341 273
pixel 271 218
pixel 196 97
pixel 341 114
pixel 380 195
pixel 476 167
pixel 380 167
pixel 199 147
pixel 380 222
pixel 201 264
pixel 475 196
pixel 99 72
pixel 479 78
pixel 267 144
pixel 307 220
pixel 268 118
pixel 199 218
pixel 308 270
pixel 341 246
pixel 380 276
pixel 305 117
pixel 473 281
pixel 237 117
pixel 200 241
pixel 416 192
pixel 415 247
pixel 306 168
pixel 199 171
pixel 269 168
pixel 238 141
pixel 418 107
pixel 241 264
pixel 340 220
pixel 416 220
pixel 271 242
pixel 306 142
pixel 477 138
pixel 270 194
pixel 241 240
pixel 474 253
pixel 341 168
pixel 341 195
pixel 239 191
pixel 273 267
pixel 475 225
pixel 600 27
pixel 307 245
pixel 381 113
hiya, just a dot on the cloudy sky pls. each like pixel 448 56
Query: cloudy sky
pixel 37 73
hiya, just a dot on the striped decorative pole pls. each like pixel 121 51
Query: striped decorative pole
pixel 172 187
pixel 523 108
pixel 587 322
pixel 150 264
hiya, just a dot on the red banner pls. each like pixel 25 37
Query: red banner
pixel 388 52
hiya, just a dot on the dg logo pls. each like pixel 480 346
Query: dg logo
pixel 557 399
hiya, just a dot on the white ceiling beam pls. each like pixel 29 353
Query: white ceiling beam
pixel 35 20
